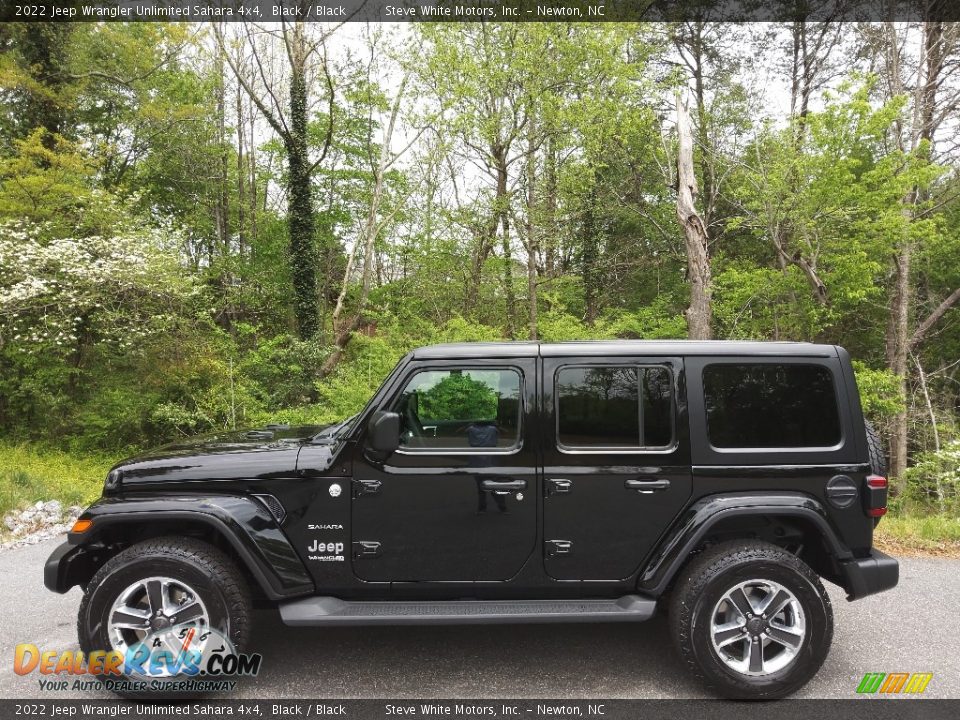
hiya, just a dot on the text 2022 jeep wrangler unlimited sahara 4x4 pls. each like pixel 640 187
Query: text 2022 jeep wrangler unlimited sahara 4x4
pixel 518 482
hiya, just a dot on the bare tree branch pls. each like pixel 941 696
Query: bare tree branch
pixel 931 319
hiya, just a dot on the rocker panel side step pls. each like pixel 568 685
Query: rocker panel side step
pixel 326 610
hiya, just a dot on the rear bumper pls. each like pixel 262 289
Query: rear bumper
pixel 67 566
pixel 869 575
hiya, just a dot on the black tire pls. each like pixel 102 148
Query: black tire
pixel 878 458
pixel 708 577
pixel 215 577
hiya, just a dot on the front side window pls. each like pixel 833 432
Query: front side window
pixel 770 406
pixel 460 409
pixel 614 407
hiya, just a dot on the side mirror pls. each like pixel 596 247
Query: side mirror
pixel 384 431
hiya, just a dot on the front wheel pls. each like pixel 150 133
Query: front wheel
pixel 751 620
pixel 157 600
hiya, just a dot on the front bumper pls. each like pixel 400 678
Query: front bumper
pixel 869 575
pixel 67 566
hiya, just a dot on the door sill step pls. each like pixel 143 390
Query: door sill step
pixel 326 610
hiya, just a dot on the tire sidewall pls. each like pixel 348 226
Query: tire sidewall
pixel 816 641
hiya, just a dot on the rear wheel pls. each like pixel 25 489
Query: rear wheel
pixel 751 620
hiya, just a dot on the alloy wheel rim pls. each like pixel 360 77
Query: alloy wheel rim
pixel 758 627
pixel 163 609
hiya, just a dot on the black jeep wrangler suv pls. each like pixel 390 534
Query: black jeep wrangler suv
pixel 517 482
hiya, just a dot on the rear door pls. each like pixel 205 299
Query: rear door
pixel 616 462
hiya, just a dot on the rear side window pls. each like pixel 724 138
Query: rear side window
pixel 770 406
pixel 614 407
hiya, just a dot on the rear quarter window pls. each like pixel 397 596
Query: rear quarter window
pixel 770 405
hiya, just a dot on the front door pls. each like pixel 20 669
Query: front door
pixel 616 462
pixel 458 500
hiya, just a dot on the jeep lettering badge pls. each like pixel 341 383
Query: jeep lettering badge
pixel 486 472
pixel 334 548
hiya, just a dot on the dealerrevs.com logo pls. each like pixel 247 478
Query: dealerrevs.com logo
pixel 894 683
pixel 202 660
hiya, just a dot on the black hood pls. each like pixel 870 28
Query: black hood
pixel 256 454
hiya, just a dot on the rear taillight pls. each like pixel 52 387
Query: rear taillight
pixel 875 496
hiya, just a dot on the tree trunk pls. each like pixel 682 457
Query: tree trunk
pixel 300 211
pixel 252 163
pixel 502 201
pixel 703 135
pixel 589 249
pixel 531 228
pixel 220 208
pixel 699 313
pixel 242 238
pixel 483 244
pixel 371 230
pixel 549 236
pixel 897 351
pixel 899 340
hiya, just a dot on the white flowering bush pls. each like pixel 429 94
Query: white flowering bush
pixel 933 481
pixel 57 293
pixel 80 318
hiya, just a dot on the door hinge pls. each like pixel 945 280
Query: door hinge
pixel 366 487
pixel 559 547
pixel 366 549
pixel 559 486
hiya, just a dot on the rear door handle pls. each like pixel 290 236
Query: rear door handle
pixel 647 485
pixel 503 487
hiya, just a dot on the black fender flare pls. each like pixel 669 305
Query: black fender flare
pixel 674 549
pixel 244 522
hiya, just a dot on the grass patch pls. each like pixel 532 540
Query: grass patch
pixel 29 473
pixel 917 534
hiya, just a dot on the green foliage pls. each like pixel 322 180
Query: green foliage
pixel 33 473
pixel 879 393
pixel 458 397
pixel 370 360
pixel 279 370
pixel 560 326
pixel 932 483
pixel 832 203
pixel 48 180
pixel 352 384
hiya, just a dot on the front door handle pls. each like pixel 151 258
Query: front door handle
pixel 503 487
pixel 646 486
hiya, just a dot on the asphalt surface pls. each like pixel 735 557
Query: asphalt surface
pixel 913 628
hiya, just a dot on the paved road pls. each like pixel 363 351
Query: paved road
pixel 914 628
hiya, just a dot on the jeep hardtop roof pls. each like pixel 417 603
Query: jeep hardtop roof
pixel 614 348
